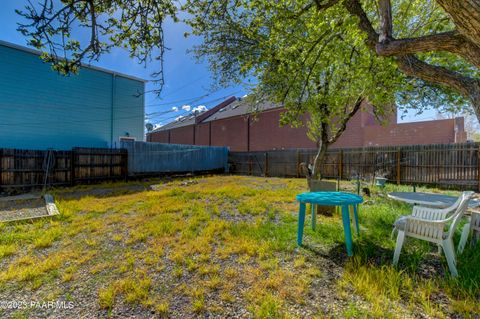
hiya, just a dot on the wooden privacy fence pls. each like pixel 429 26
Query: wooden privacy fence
pixel 31 168
pixel 443 165
pixel 146 158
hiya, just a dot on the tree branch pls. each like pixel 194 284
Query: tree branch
pixel 412 66
pixel 355 8
pixel 318 5
pixel 451 41
pixel 348 116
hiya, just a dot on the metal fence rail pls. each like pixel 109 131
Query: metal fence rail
pixel 156 158
pixel 442 165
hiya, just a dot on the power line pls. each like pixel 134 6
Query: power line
pixel 82 121
pixel 179 101
pixel 188 112
pixel 178 89
pixel 205 102
pixel 199 98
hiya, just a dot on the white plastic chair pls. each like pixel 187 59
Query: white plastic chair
pixel 475 225
pixel 470 228
pixel 430 224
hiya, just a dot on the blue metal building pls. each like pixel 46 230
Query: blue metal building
pixel 41 109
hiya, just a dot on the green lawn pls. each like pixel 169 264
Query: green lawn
pixel 223 246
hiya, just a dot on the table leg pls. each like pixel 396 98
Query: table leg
pixel 301 223
pixel 353 218
pixel 355 215
pixel 346 229
pixel 314 216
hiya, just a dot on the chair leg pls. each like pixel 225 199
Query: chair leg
pixel 314 216
pixel 476 236
pixel 398 246
pixel 463 239
pixel 450 255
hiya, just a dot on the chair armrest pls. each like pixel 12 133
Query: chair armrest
pixel 425 221
pixel 428 213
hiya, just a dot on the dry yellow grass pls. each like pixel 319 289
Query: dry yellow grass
pixel 223 239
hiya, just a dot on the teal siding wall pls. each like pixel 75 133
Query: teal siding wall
pixel 124 115
pixel 41 109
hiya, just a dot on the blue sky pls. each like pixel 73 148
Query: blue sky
pixel 186 81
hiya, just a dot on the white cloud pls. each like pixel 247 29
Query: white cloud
pixel 157 125
pixel 175 109
pixel 186 107
pixel 200 108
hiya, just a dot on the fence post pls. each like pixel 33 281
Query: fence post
pixel 111 163
pixel 124 161
pixel 478 167
pixel 298 163
pixel 266 164
pixel 398 166
pixel 340 165
pixel 249 164
pixel 72 166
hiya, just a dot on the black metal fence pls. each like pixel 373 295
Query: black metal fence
pixel 442 165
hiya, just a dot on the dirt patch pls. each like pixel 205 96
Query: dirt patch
pixel 105 192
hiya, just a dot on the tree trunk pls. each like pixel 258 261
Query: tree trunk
pixel 323 144
pixel 315 184
pixel 466 17
pixel 319 159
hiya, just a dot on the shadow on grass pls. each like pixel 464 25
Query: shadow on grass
pixel 415 261
pixel 337 253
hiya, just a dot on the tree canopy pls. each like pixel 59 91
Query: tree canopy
pixel 315 63
pixel 314 57
pixel 55 27
pixel 435 43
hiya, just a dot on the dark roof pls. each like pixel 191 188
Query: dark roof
pixel 240 107
pixel 228 108
pixel 191 119
pixel 184 121
pixel 215 109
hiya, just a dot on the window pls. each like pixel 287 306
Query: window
pixel 127 139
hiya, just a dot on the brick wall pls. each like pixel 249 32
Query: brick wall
pixel 231 132
pixel 182 135
pixel 428 132
pixel 265 133
pixel 202 134
pixel 352 136
pixel 159 137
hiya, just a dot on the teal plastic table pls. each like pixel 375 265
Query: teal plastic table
pixel 344 200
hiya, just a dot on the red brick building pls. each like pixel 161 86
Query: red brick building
pixel 233 123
